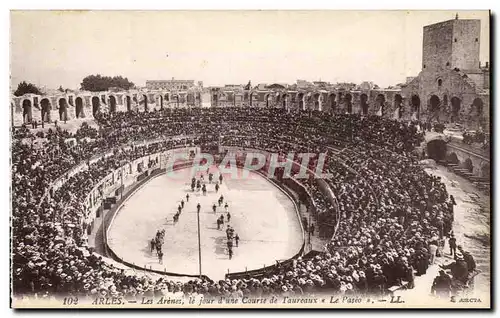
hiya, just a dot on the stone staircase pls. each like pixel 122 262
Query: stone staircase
pixel 481 183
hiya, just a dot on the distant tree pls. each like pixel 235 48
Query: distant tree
pixel 97 83
pixel 61 89
pixel 26 88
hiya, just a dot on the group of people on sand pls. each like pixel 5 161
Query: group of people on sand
pixel 157 243
pixel 230 233
pixel 199 184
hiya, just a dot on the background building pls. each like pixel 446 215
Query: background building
pixel 172 84
pixel 453 86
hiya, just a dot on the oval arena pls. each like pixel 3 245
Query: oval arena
pixel 264 237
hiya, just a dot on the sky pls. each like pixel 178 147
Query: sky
pixel 60 48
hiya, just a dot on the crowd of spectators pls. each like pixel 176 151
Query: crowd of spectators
pixel 388 209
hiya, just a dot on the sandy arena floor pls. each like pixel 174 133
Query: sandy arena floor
pixel 261 214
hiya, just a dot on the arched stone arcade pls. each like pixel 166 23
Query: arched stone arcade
pixel 284 100
pixel 145 102
pixel 398 105
pixel 301 97
pixel 27 111
pixel 317 102
pixel 112 104
pixel 436 149
pixel 160 98
pixel 63 109
pixel 478 106
pixel 364 104
pixel 415 106
pixel 380 104
pixel 456 104
pixel 79 107
pixel 96 105
pixel 333 102
pixel 128 103
pixel 434 103
pixel 45 109
pixel 348 103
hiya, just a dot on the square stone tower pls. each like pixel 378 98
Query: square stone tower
pixel 451 44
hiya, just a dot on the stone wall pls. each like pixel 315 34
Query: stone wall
pixel 69 106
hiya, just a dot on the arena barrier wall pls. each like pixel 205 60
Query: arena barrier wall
pixel 155 173
pixel 147 176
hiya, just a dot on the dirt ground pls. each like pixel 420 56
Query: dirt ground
pixel 261 214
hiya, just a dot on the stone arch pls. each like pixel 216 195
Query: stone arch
pixel 364 104
pixel 182 98
pixel 276 99
pixel 190 99
pixel 284 99
pixel 398 104
pixel 300 96
pixel 452 158
pixel 45 108
pixel 145 101
pixel 380 102
pixel 112 104
pixel 485 170
pixel 317 101
pixel 128 103
pixel 478 105
pixel 27 111
pixel 161 102
pixel 79 107
pixel 436 149
pixel 63 109
pixel 96 105
pixel 415 105
pixel 267 98
pixel 435 103
pixel 333 103
pixel 468 165
pixel 175 100
pixel 348 102
pixel 455 108
pixel 232 98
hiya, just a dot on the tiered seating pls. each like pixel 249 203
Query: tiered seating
pixel 389 208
